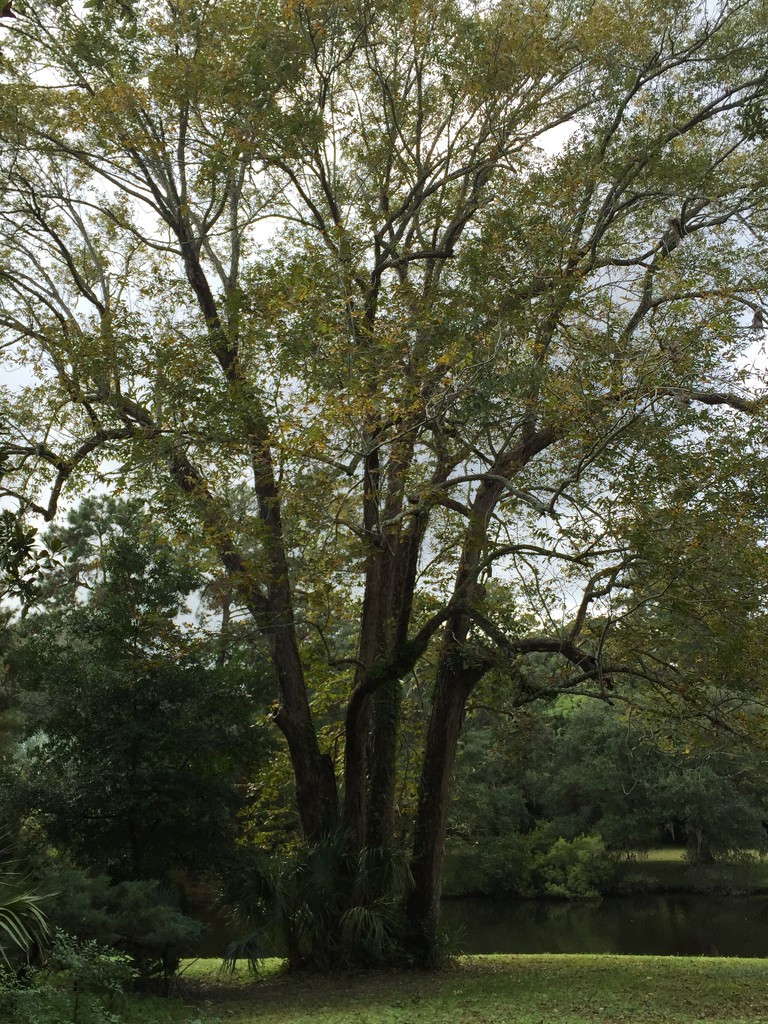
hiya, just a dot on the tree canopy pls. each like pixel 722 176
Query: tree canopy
pixel 433 322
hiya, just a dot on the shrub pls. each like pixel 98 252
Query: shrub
pixel 81 983
pixel 505 865
pixel 323 906
pixel 136 918
pixel 490 866
pixel 575 868
pixel 537 863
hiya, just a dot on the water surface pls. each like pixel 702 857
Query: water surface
pixel 666 925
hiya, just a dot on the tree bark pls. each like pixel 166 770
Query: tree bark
pixel 383 764
pixel 455 682
pixel 315 779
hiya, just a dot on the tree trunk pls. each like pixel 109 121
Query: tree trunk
pixel 315 779
pixel 383 764
pixel 453 686
pixel 373 714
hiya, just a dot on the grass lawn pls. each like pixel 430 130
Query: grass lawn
pixel 667 870
pixel 479 990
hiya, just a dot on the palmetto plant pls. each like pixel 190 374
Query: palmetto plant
pixel 323 905
pixel 23 922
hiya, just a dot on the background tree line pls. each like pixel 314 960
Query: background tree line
pixel 560 802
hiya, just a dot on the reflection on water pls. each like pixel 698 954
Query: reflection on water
pixel 666 925
pixel 683 925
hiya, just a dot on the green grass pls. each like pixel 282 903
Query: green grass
pixel 666 855
pixel 479 990
pixel 667 870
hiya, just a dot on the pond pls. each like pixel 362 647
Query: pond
pixel 666 925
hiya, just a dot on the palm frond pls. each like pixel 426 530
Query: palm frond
pixel 23 922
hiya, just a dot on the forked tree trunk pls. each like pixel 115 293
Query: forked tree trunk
pixel 373 713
